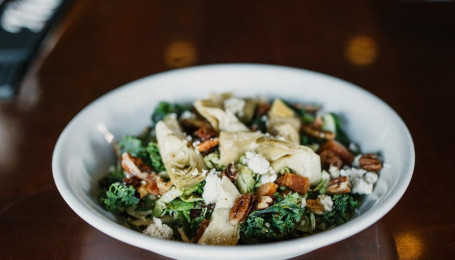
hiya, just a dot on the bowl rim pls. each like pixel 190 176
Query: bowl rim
pixel 293 247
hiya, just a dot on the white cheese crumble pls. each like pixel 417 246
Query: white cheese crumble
pixel 158 229
pixel 361 181
pixel 212 185
pixel 326 202
pixel 334 172
pixel 257 163
pixel 268 177
pixel 234 105
pixel 187 115
pixel 303 203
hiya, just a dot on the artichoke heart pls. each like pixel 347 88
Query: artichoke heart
pixel 235 144
pixel 220 231
pixel 221 120
pixel 283 154
pixel 184 166
pixel 283 122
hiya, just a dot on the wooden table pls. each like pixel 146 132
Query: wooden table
pixel 403 52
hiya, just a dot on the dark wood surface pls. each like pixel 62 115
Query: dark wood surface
pixel 404 52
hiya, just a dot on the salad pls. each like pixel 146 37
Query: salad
pixel 227 170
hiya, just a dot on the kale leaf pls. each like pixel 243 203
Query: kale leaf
pixel 118 197
pixel 115 175
pixel 155 157
pixel 274 223
pixel 165 108
pixel 344 206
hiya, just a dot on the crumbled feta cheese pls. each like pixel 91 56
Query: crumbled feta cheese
pixel 361 181
pixel 196 143
pixel 355 163
pixel 212 185
pixel 326 202
pixel 257 163
pixel 360 186
pixel 265 119
pixel 234 105
pixel 187 115
pixel 158 229
pixel 173 116
pixel 334 172
pixel 268 177
pixel 303 203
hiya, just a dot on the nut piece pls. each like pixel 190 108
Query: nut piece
pixel 314 206
pixel 370 162
pixel 242 207
pixel 206 145
pixel 330 158
pixel 135 166
pixel 339 150
pixel 231 172
pixel 266 189
pixel 294 182
pixel 339 185
pixel 315 131
pixel 264 202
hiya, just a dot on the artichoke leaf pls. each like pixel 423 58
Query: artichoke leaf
pixel 184 166
pixel 282 153
pixel 283 122
pixel 220 231
pixel 221 120
pixel 234 144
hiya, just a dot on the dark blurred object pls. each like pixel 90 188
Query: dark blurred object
pixel 23 27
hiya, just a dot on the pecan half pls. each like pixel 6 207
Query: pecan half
pixel 330 158
pixel 241 209
pixel 314 206
pixel 315 131
pixel 266 189
pixel 264 202
pixel 339 185
pixel 294 182
pixel 231 172
pixel 339 150
pixel 370 162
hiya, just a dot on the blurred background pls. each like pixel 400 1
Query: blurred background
pixel 57 56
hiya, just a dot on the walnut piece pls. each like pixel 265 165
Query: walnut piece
pixel 242 207
pixel 370 162
pixel 339 185
pixel 294 182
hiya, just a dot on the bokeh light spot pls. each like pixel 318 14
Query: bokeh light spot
pixel 361 50
pixel 180 54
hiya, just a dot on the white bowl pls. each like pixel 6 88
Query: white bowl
pixel 83 153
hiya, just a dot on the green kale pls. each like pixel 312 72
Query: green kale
pixel 340 135
pixel 115 175
pixel 134 146
pixel 118 197
pixel 274 223
pixel 155 157
pixel 344 206
pixel 165 108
